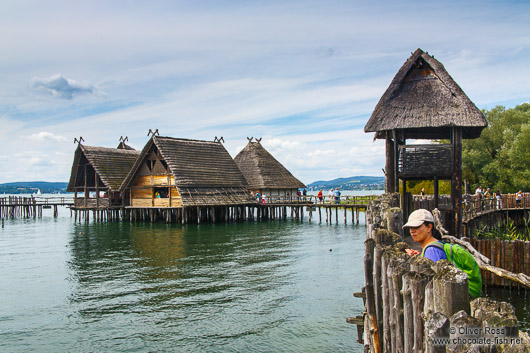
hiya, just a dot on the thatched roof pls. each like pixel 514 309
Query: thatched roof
pixel 204 172
pixel 111 164
pixel 424 100
pixel 263 171
pixel 124 146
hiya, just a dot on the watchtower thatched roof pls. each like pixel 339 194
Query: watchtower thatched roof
pixel 425 101
pixel 204 172
pixel 111 164
pixel 263 171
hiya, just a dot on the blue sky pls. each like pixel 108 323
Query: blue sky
pixel 304 75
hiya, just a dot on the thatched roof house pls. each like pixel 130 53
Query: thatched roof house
pixel 264 173
pixel 99 169
pixel 172 172
pixel 424 100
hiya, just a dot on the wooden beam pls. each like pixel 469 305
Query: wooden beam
pixel 436 192
pixel 389 165
pixel 456 181
pixel 395 157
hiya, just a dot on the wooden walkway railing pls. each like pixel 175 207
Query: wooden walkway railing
pixel 475 206
pixel 314 200
pixel 31 206
pixel 36 200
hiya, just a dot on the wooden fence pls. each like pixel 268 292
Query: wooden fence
pixel 411 302
pixel 513 256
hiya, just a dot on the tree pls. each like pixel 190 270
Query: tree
pixel 500 157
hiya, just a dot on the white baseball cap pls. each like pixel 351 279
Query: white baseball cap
pixel 417 218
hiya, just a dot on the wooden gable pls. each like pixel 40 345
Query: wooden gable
pixel 153 185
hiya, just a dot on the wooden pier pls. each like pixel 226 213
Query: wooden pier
pixel 344 210
pixel 276 207
pixel 31 206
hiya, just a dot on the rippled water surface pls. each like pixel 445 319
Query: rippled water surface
pixel 122 287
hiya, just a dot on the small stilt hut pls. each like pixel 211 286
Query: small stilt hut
pixel 181 173
pixel 98 170
pixel 424 102
pixel 264 173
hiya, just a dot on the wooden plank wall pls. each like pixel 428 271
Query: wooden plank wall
pixel 142 191
pixel 513 256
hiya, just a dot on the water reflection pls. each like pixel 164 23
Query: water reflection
pixel 200 282
pixel 261 287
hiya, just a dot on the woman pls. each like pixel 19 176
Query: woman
pixel 320 195
pixel 421 227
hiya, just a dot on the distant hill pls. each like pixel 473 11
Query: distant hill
pixel 30 187
pixel 351 183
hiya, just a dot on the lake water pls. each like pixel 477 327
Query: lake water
pixel 279 286
pixel 121 287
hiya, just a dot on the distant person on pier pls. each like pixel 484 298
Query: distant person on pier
pixel 498 196
pixel 337 196
pixel 487 193
pixel 304 192
pixel 319 196
pixel 330 195
pixel 478 192
pixel 423 193
pixel 518 198
pixel 421 227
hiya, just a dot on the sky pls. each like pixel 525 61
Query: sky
pixel 304 76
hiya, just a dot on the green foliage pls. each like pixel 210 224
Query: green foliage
pixel 507 231
pixel 30 187
pixel 500 157
pixel 415 186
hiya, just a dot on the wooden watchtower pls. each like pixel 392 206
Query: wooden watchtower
pixel 424 102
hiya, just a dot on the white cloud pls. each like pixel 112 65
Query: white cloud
pixel 47 136
pixel 61 87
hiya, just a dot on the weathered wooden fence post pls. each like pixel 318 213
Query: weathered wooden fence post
pixel 373 335
pixel 450 289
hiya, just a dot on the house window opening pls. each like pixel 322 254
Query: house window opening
pixel 161 193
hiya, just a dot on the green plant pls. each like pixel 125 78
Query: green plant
pixel 507 231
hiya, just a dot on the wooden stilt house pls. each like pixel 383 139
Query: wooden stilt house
pixel 264 173
pixel 180 173
pixel 424 102
pixel 97 174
